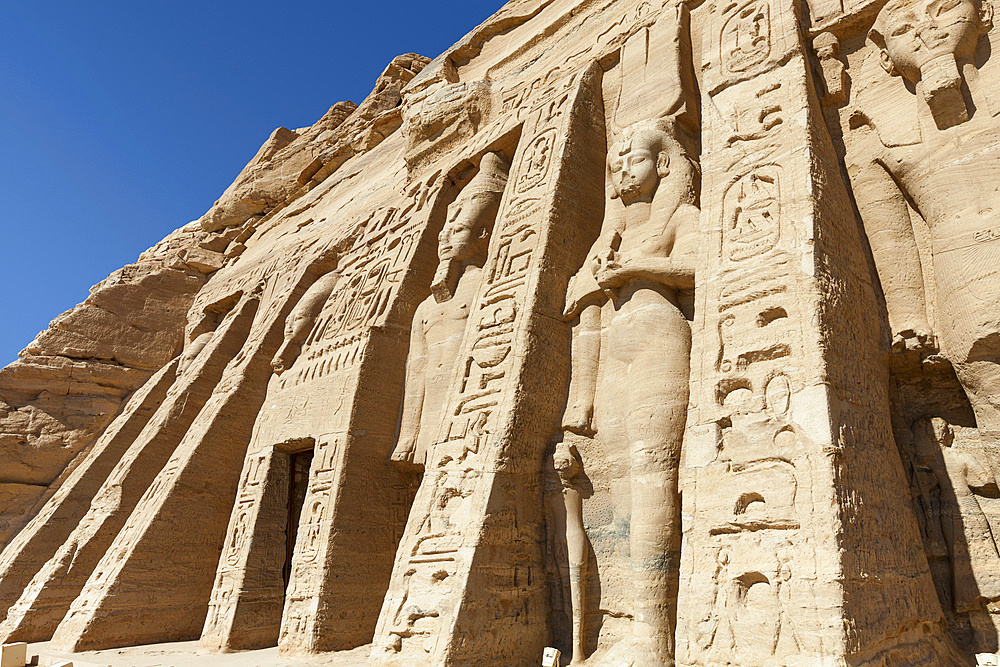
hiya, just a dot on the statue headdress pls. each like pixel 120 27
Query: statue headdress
pixel 488 183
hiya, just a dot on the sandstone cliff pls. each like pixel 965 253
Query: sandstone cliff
pixel 652 332
pixel 74 378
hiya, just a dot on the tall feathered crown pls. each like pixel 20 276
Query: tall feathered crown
pixel 491 178
pixel 656 74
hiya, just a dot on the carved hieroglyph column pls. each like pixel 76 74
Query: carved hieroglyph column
pixel 468 586
pixel 799 545
pixel 339 400
pixel 122 465
pixel 154 582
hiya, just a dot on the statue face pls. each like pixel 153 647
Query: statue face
pixel 918 31
pixel 461 237
pixel 636 167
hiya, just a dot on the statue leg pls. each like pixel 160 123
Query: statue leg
pixel 568 467
pixel 657 395
pixel 655 531
pixel 981 380
pixel 576 540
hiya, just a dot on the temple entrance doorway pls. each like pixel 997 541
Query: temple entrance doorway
pixel 299 464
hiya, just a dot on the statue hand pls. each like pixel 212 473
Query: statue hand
pixel 601 259
pixel 403 454
pixel 578 418
pixel 612 273
pixel 917 338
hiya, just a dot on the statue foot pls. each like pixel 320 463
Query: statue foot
pixel 635 652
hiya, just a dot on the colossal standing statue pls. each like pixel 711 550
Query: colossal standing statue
pixel 625 416
pixel 935 144
pixel 923 155
pixel 439 323
pixel 645 255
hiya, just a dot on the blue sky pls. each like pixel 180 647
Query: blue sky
pixel 121 121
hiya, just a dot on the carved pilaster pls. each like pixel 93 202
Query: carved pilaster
pixel 468 584
pixel 798 543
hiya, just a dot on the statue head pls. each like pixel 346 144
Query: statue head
pixel 467 230
pixel 910 34
pixel 644 154
pixel 471 216
pixel 930 434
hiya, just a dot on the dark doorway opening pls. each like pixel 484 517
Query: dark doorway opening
pixel 299 464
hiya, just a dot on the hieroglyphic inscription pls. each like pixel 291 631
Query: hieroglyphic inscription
pixel 313 534
pixel 240 531
pixel 753 117
pixel 414 622
pixel 746 35
pixel 543 96
pixel 536 161
pixel 748 449
pixel 757 441
pixel 753 214
pixel 371 272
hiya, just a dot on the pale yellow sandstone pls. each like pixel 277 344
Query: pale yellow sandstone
pixel 623 332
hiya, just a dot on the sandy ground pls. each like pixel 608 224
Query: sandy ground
pixel 186 654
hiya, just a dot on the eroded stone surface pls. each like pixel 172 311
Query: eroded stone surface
pixel 655 332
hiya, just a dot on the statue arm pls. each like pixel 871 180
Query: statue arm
pixel 666 270
pixel 890 233
pixel 674 270
pixel 583 290
pixel 413 393
pixel 300 321
pixel 585 353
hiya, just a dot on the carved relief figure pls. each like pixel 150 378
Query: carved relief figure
pixel 957 476
pixel 439 322
pixel 922 139
pixel 644 256
pixel 944 160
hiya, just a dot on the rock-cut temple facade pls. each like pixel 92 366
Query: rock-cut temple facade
pixel 655 332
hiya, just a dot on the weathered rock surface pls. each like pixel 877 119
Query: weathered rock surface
pixel 657 333
pixel 72 379
pixel 291 162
